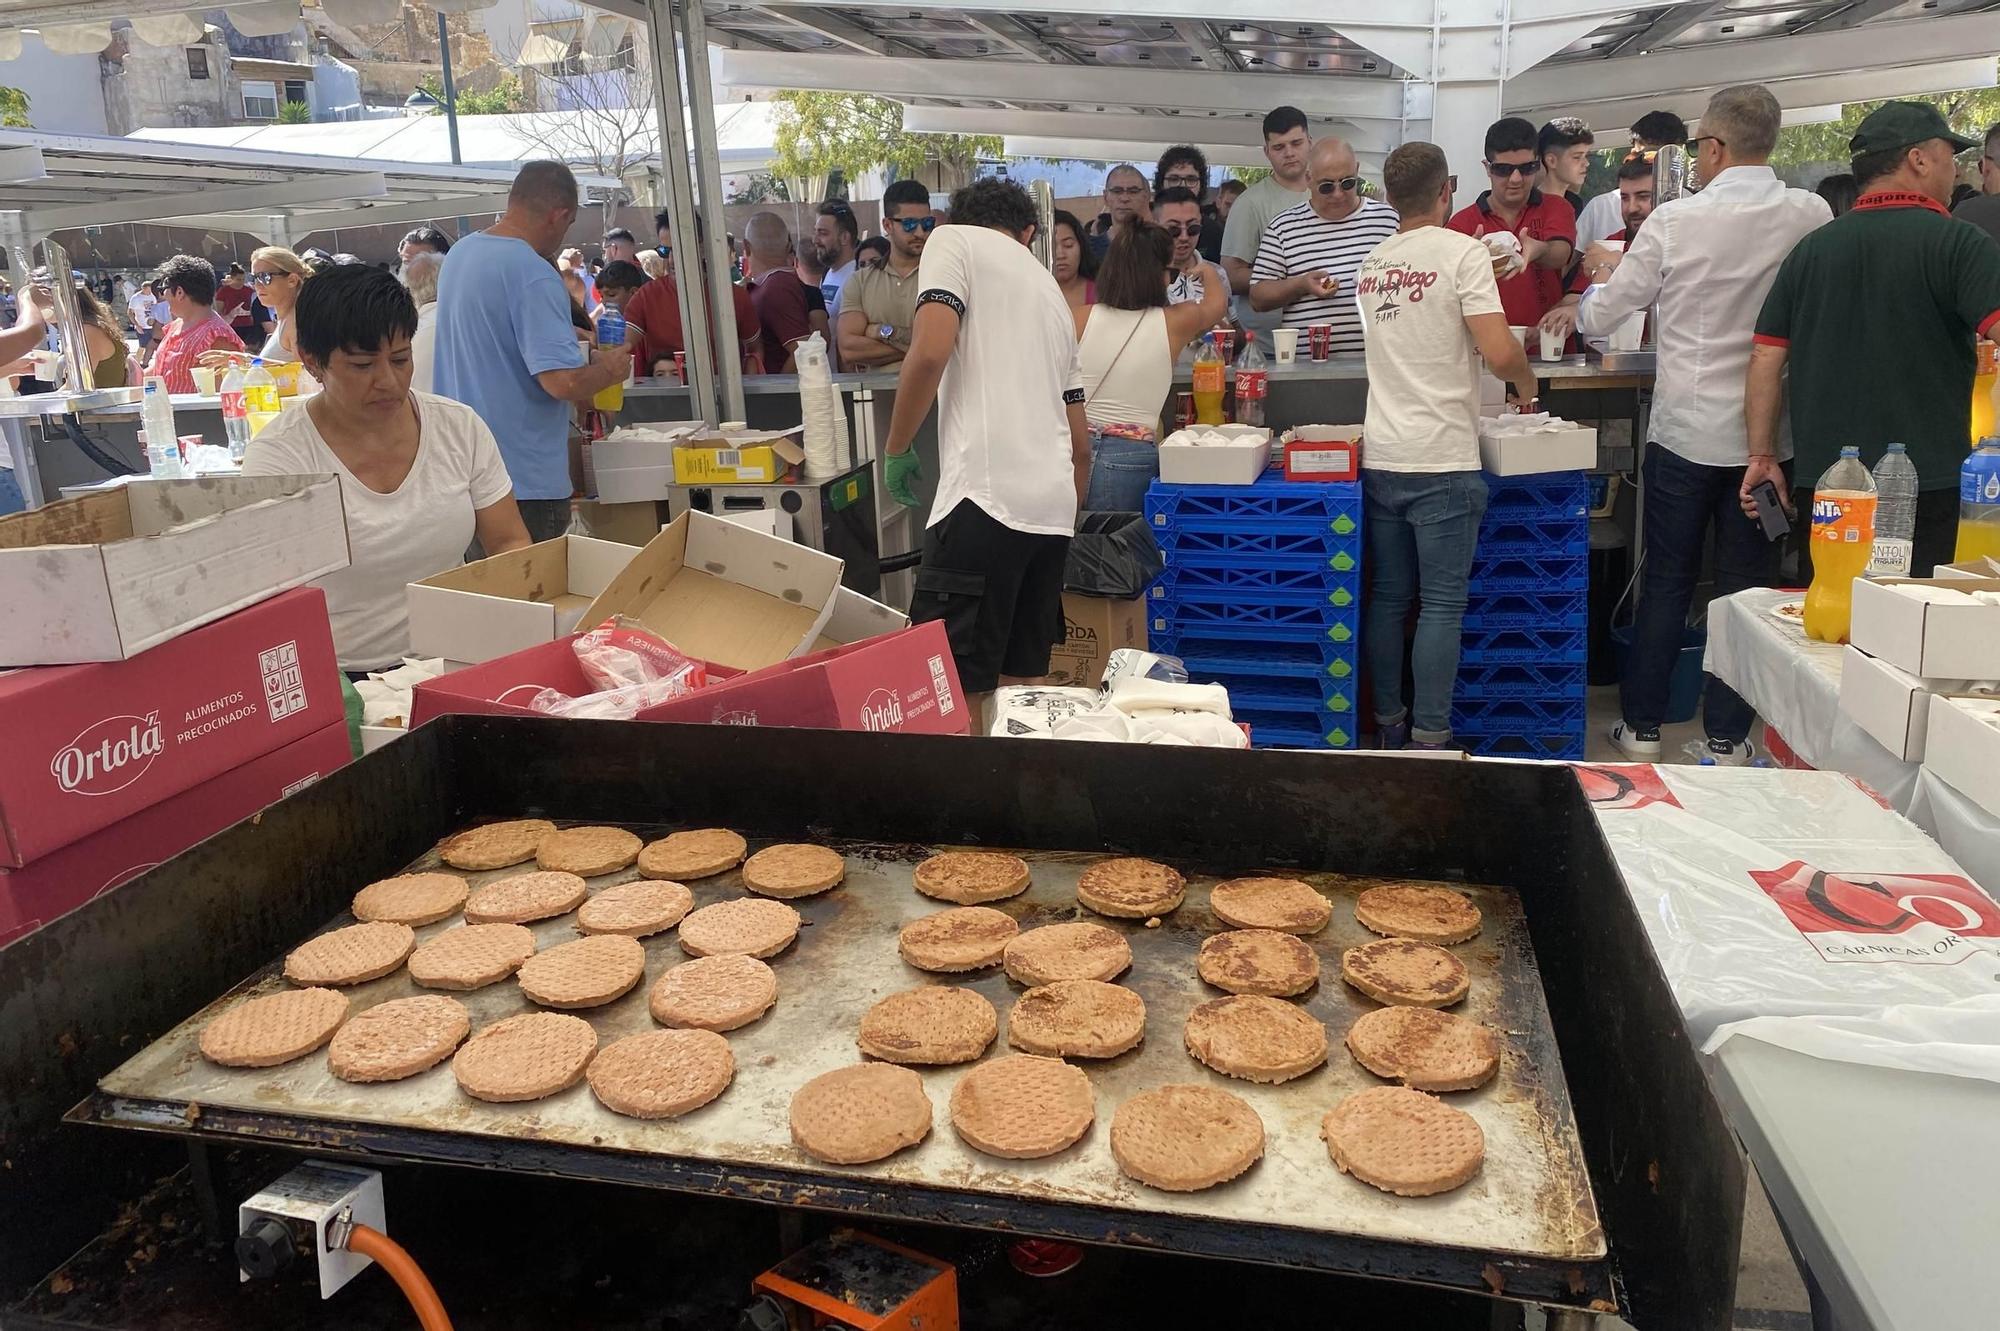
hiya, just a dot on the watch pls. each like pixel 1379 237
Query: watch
pixel 886 332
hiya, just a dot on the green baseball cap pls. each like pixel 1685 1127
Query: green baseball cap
pixel 1895 125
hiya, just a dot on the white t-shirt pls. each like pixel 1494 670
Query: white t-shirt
pixel 1414 292
pixel 141 306
pixel 393 539
pixel 1003 427
pixel 423 348
pixel 1190 287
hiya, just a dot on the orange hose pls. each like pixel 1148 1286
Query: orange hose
pixel 403 1269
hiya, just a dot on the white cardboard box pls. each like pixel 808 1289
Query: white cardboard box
pixel 855 618
pixel 1963 748
pixel 506 602
pixel 105 576
pixel 1239 462
pixel 725 593
pixel 1574 449
pixel 1930 640
pixel 1889 703
pixel 1971 568
pixel 631 485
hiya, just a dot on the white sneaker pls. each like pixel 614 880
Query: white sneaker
pixel 1634 743
pixel 1722 752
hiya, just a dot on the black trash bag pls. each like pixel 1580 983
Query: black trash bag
pixel 1114 555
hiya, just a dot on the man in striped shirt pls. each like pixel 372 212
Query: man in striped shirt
pixel 189 283
pixel 1310 253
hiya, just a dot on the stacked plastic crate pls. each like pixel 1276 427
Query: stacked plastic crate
pixel 1262 594
pixel 1522 669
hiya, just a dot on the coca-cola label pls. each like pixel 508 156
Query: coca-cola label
pixel 1624 786
pixel 1927 919
pixel 108 755
pixel 1251 383
pixel 882 710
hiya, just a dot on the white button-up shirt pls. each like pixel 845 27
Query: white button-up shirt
pixel 1709 260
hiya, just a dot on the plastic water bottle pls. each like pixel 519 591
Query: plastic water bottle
pixel 163 444
pixel 1843 539
pixel 260 390
pixel 1253 382
pixel 235 411
pixel 610 333
pixel 1979 504
pixel 1895 514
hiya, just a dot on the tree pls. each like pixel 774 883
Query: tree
pixel 1969 112
pixel 295 113
pixel 504 98
pixel 600 121
pixel 13 108
pixel 1249 175
pixel 817 135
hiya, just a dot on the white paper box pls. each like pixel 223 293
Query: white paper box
pixel 506 602
pixel 1925 638
pixel 108 575
pixel 855 618
pixel 1532 454
pixel 1985 567
pixel 1239 462
pixel 1963 748
pixel 1890 704
pixel 631 485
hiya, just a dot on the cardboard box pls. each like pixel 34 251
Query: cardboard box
pixel 724 593
pixel 89 745
pixel 1239 462
pixel 1962 748
pixel 1891 704
pixel 1574 449
pixel 855 618
pixel 65 879
pixel 640 458
pixel 506 602
pixel 109 575
pixel 904 682
pixel 625 524
pixel 1971 568
pixel 1928 639
pixel 632 485
pixel 1319 453
pixel 1093 628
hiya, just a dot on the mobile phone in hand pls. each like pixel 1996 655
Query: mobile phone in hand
pixel 1770 513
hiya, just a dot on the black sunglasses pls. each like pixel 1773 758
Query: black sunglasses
pixel 664 251
pixel 1694 145
pixel 1502 170
pixel 1346 184
pixel 1179 229
pixel 911 225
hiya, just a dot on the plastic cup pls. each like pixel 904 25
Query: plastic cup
pixel 681 367
pixel 1286 341
pixel 1319 338
pixel 1225 342
pixel 1520 332
pixel 204 380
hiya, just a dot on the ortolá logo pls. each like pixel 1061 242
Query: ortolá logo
pixel 109 755
pixel 882 710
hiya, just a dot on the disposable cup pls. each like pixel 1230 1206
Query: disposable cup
pixel 1286 341
pixel 1552 346
pixel 1319 337
pixel 204 380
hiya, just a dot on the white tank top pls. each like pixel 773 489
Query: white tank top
pixel 1128 386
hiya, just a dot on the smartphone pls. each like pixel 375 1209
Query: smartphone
pixel 1770 513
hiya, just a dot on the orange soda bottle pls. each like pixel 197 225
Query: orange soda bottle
pixel 1843 536
pixel 1210 375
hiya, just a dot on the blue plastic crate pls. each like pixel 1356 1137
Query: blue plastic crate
pixel 1206 657
pixel 1250 543
pixel 1539 646
pixel 1247 581
pixel 1563 537
pixel 1552 494
pixel 1339 556
pixel 1546 682
pixel 1256 622
pixel 1322 696
pixel 1518 716
pixel 1535 574
pixel 1329 510
pixel 1523 610
pixel 1564 747
pixel 1288 730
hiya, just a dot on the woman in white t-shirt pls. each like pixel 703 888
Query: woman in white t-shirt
pixel 420 476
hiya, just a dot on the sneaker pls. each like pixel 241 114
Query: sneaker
pixel 1723 752
pixel 1393 734
pixel 1428 746
pixel 1635 743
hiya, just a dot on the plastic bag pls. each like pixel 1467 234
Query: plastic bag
pixel 1131 663
pixel 622 652
pixel 620 704
pixel 1113 555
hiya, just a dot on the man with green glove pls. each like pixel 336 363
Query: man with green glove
pixel 992 328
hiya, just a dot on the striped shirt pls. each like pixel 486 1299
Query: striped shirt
pixel 182 346
pixel 1299 240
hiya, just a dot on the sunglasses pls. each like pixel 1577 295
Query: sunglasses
pixel 664 251
pixel 1344 185
pixel 265 279
pixel 912 225
pixel 1694 145
pixel 1502 170
pixel 1179 229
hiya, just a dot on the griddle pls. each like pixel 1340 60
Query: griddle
pixel 1654 1212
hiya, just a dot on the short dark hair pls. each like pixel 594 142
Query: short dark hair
pixel 663 220
pixel 1561 135
pixel 1175 194
pixel 1134 273
pixel 353 308
pixel 842 215
pixel 620 233
pixel 875 248
pixel 544 184
pixel 1282 121
pixel 1086 262
pixel 904 192
pixel 429 237
pixel 1871 167
pixel 1511 135
pixel 993 202
pixel 1636 167
pixel 1232 187
pixel 1661 127
pixel 623 274
pixel 235 269
pixel 1181 152
pixel 1413 177
pixel 1839 191
pixel 194 277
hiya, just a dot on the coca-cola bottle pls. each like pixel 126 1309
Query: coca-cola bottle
pixel 1253 381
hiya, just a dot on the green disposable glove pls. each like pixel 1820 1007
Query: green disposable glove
pixel 899 471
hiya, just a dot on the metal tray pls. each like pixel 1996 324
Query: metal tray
pixel 1533 1199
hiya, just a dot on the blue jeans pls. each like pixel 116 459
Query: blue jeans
pixel 1420 532
pixel 1682 500
pixel 10 493
pixel 1120 471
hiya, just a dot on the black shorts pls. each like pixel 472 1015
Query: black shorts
pixel 998 592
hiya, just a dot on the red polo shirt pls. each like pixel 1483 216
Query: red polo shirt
pixel 657 309
pixel 1527 295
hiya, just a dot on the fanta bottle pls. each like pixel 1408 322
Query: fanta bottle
pixel 1843 536
pixel 1209 382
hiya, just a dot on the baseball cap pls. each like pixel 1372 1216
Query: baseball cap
pixel 1895 125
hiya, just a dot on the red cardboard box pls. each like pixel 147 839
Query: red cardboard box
pixel 90 745
pixel 58 883
pixel 900 681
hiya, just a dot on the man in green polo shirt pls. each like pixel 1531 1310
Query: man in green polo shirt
pixel 1876 315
